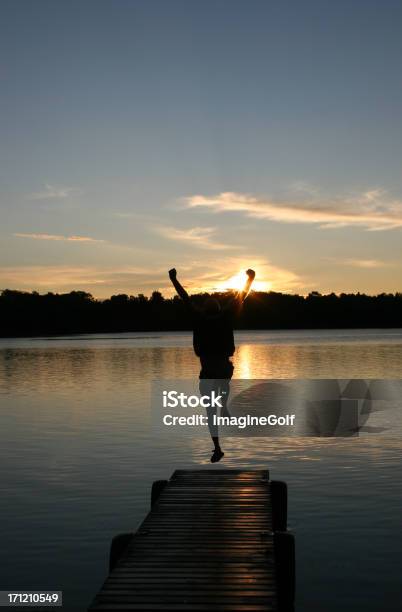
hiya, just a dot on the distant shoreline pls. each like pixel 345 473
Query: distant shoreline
pixel 24 314
pixel 153 334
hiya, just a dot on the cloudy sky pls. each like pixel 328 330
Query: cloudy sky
pixel 138 135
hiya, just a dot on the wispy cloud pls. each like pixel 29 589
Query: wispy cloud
pixel 103 280
pixel 51 278
pixel 202 237
pixel 373 210
pixel 57 237
pixel 52 192
pixel 366 263
pixel 207 274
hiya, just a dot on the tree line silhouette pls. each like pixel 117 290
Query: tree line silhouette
pixel 25 314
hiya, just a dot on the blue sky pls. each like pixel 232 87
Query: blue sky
pixel 211 136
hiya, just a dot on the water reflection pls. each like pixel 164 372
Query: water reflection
pixel 327 360
pixel 47 369
pixel 78 458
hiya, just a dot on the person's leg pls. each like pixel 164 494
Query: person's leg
pixel 221 386
pixel 213 428
pixel 218 453
pixel 224 390
pixel 207 386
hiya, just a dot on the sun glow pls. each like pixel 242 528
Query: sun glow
pixel 238 281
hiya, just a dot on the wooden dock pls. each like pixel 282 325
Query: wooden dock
pixel 214 540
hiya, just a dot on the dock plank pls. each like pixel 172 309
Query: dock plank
pixel 206 545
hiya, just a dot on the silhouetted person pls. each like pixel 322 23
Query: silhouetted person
pixel 213 343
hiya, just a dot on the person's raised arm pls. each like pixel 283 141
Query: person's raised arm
pixel 241 296
pixel 238 299
pixel 179 288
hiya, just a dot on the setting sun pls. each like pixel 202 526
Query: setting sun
pixel 238 281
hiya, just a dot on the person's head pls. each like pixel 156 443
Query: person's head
pixel 211 307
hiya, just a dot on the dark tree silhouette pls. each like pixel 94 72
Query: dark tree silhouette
pixel 25 314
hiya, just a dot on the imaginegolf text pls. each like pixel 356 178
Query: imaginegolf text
pixel 248 420
pixel 240 422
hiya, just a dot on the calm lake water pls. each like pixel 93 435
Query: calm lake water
pixel 78 458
